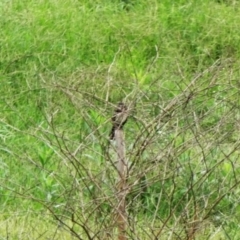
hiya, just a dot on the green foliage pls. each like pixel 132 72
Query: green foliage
pixel 64 64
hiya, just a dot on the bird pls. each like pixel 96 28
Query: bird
pixel 119 118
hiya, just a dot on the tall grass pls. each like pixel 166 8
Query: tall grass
pixel 65 64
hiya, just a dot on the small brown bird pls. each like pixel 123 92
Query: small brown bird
pixel 119 118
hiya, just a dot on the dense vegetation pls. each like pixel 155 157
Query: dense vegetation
pixel 63 67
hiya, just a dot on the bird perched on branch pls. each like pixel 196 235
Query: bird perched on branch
pixel 119 118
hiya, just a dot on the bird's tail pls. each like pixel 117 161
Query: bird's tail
pixel 111 135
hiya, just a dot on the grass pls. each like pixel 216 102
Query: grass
pixel 31 226
pixel 63 64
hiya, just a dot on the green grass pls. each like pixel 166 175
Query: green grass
pixel 62 65
pixel 31 226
